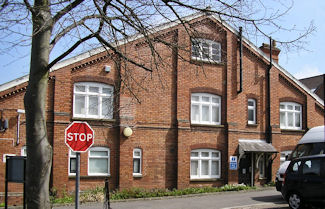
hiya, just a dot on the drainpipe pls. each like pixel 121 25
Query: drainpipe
pixel 19 111
pixel 240 60
pixel 268 108
pixel 268 121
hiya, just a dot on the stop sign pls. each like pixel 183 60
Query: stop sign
pixel 79 136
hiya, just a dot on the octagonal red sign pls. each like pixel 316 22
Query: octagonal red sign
pixel 79 136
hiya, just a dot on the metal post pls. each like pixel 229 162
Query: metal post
pixel 77 180
pixel 6 184
pixel 107 204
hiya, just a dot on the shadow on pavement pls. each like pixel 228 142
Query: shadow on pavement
pixel 277 199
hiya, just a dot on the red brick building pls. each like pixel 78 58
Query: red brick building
pixel 187 118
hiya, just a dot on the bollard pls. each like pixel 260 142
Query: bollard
pixel 107 204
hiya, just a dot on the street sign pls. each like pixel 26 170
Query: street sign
pixel 79 136
pixel 233 163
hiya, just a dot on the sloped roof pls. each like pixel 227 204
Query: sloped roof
pixel 256 146
pixel 161 27
pixel 312 82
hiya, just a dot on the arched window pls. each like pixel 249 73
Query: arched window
pixel 93 100
pixel 251 110
pixel 137 162
pixel 205 164
pixel 290 115
pixel 205 109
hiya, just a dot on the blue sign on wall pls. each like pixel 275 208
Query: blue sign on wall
pixel 233 163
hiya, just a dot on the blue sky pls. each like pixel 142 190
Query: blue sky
pixel 302 63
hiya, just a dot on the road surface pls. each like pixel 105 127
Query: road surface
pixel 253 199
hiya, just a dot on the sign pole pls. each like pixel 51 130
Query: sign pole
pixel 77 180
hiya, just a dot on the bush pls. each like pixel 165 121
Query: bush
pixel 98 194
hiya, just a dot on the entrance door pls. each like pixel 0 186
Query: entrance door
pixel 244 171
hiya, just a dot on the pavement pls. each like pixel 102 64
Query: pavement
pixel 263 198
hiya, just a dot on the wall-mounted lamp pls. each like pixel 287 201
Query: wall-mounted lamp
pixel 127 131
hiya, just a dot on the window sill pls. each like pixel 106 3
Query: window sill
pixel 211 62
pixel 137 175
pixel 92 119
pixel 205 180
pixel 90 177
pixel 252 124
pixel 293 130
pixel 206 125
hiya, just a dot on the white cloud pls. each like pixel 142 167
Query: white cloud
pixel 307 71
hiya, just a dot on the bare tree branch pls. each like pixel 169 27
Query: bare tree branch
pixel 67 9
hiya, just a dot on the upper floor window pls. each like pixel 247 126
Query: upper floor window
pixel 205 109
pixel 290 115
pixel 98 161
pixel 93 100
pixel 206 50
pixel 205 164
pixel 251 111
pixel 137 158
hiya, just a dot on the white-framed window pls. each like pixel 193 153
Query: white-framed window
pixel 72 163
pixel 290 115
pixel 206 50
pixel 205 164
pixel 205 109
pixel 93 100
pixel 261 166
pixel 251 110
pixel 98 161
pixel 137 162
pixel 23 151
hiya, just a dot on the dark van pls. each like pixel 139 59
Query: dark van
pixel 304 182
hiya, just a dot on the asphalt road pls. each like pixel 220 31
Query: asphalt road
pixel 227 200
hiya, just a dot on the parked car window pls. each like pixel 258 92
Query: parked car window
pixel 295 167
pixel 311 167
pixel 308 149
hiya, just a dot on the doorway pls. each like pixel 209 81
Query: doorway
pixel 245 169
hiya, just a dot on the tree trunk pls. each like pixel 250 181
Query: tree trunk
pixel 39 151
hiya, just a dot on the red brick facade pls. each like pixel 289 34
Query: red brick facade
pixel 159 111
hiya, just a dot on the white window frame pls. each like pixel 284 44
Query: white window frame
pixel 88 94
pixel 251 108
pixel 72 155
pixel 201 158
pixel 197 50
pixel 23 151
pixel 99 157
pixel 210 104
pixel 140 164
pixel 286 111
pixel 5 155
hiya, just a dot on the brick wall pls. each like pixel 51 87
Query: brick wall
pixel 157 106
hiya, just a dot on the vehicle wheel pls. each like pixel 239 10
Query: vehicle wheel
pixel 295 201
